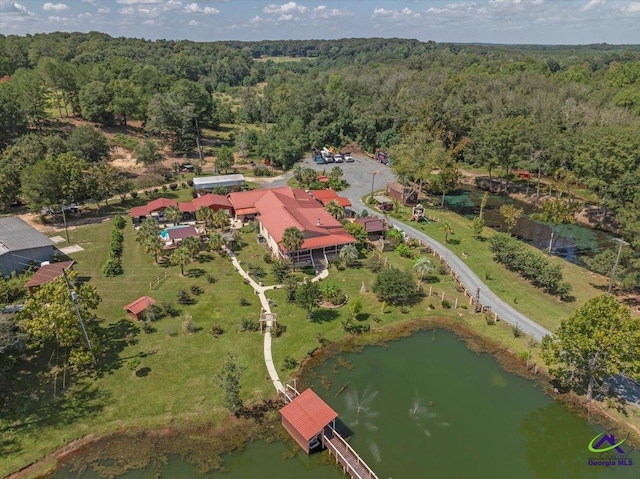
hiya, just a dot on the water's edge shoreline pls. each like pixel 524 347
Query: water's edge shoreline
pixel 259 421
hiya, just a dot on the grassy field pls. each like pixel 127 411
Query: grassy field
pixel 533 302
pixel 166 376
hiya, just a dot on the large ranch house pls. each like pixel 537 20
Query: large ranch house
pixel 277 209
pixel 156 208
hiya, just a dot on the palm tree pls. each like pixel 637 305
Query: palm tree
pixel 216 241
pixel 148 229
pixel 297 171
pixel 180 257
pixel 307 177
pixel 153 245
pixel 447 229
pixel 220 219
pixel 335 209
pixel 349 254
pixel 205 215
pixel 173 214
pixel 192 245
pixel 292 240
pixel 424 267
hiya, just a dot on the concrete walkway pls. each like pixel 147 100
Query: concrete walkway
pixel 260 291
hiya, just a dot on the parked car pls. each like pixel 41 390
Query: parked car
pixel 348 158
pixel 72 208
pixel 338 158
pixel 329 159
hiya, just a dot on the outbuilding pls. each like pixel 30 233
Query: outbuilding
pixel 46 273
pixel 403 194
pixel 305 418
pixel 233 182
pixel 374 227
pixel 20 245
pixel 138 307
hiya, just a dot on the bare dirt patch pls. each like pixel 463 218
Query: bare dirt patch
pixel 124 160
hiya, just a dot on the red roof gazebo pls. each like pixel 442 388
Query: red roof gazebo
pixel 305 417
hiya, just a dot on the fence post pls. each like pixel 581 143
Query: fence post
pixel 430 290
pixel 456 306
pixel 443 296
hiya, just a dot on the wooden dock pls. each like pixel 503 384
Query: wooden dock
pixel 351 463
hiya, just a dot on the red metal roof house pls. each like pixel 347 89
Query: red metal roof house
pixel 305 417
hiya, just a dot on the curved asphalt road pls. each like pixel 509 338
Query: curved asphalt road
pixel 361 177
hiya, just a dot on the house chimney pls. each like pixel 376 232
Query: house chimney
pixel 318 222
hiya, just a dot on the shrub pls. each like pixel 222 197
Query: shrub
pixel 146 327
pixel 256 271
pixel 374 264
pixel 442 270
pixel 134 194
pixel 210 279
pixel 446 304
pixel 489 319
pixel 173 186
pixel 184 297
pixel 249 325
pixel 524 355
pixel 404 251
pixel 267 258
pixel 531 265
pixel 188 326
pixel 133 363
pixel 354 327
pixel 515 329
pixel 170 310
pixel 119 222
pixel 244 302
pixel 289 363
pixel 277 329
pixel 280 270
pixel 215 329
pixel 196 290
pixel 113 266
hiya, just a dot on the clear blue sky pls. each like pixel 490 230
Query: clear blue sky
pixel 489 21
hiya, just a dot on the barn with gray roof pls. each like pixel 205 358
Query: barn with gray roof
pixel 21 244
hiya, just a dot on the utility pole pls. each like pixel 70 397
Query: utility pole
pixel 615 265
pixel 74 300
pixel 64 218
pixel 373 178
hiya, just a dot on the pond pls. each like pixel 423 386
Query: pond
pixel 571 241
pixel 428 407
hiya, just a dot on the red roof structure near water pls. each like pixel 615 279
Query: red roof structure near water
pixel 308 414
pixel 48 273
pixel 182 232
pixel 215 202
pixel 326 196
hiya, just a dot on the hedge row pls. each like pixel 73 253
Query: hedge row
pixel 113 265
pixel 531 265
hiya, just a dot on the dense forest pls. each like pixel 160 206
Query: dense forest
pixel 570 112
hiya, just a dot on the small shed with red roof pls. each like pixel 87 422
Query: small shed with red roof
pixel 374 227
pixel 305 418
pixel 138 307
pixel 46 274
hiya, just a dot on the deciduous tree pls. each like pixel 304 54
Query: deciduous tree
pixel 228 378
pixel 599 340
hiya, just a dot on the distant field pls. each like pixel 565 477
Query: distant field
pixel 282 59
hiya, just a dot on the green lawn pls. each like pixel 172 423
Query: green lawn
pixel 533 302
pixel 165 377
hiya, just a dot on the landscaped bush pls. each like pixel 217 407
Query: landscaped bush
pixel 210 279
pixel 374 264
pixel 446 304
pixel 404 251
pixel 215 329
pixel 354 327
pixel 113 265
pixel 119 222
pixel 332 294
pixel 170 310
pixel 531 265
pixel 280 270
pixel 267 258
pixel 249 325
pixel 256 271
pixel 184 297
pixel 134 194
pixel 289 363
pixel 196 290
pixel 244 302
